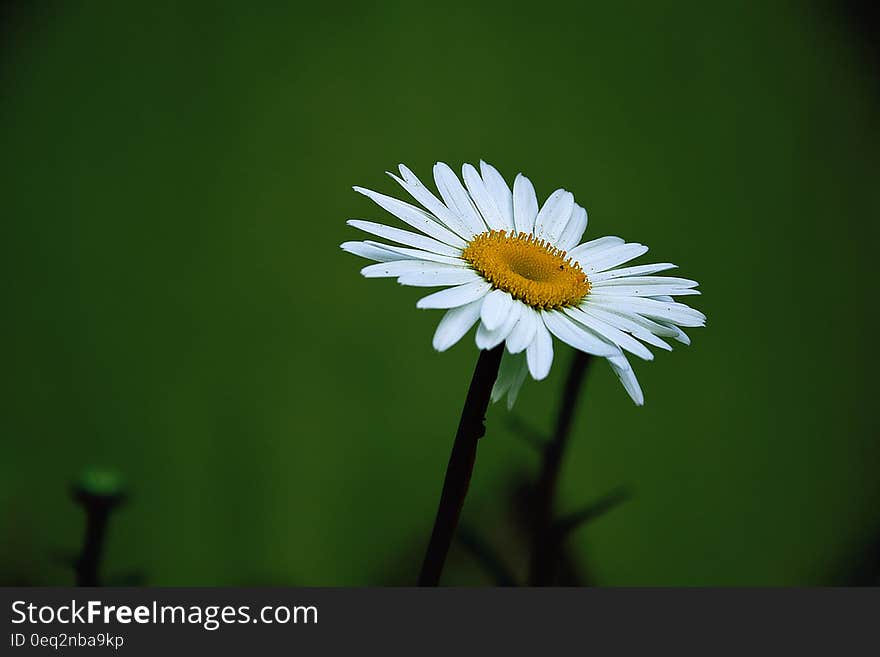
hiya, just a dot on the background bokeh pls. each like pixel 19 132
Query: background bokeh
pixel 175 181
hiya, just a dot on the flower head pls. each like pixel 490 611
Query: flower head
pixel 521 273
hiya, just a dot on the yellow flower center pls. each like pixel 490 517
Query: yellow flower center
pixel 530 269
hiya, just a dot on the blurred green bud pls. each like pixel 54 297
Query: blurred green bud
pixel 99 484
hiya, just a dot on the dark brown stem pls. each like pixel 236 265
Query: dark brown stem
pixel 461 464
pixel 98 509
pixel 545 541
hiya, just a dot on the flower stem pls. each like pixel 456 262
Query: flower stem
pixel 461 464
pixel 99 493
pixel 545 541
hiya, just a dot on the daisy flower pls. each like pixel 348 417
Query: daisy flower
pixel 521 273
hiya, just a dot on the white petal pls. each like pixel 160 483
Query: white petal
pixel 525 204
pixel 646 286
pixel 577 336
pixel 417 254
pixel 483 198
pixel 554 215
pixel 670 281
pixel 610 332
pixel 455 296
pixel 405 237
pixel 680 335
pixel 666 311
pixel 645 323
pixel 574 229
pixel 457 199
pixel 511 375
pixel 594 247
pixel 487 339
pixel 371 251
pixel 612 257
pixel 496 307
pixel 506 376
pixel 517 384
pixel 625 323
pixel 418 219
pixel 439 275
pixel 497 186
pixel 524 331
pixel 627 377
pixel 399 267
pixel 539 353
pixel 435 206
pixel 632 271
pixel 511 321
pixel 455 324
pixel 643 290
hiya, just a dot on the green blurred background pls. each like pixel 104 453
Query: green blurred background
pixel 175 181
